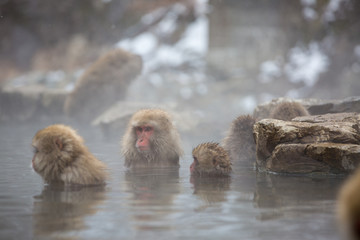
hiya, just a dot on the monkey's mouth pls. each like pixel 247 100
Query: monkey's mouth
pixel 143 149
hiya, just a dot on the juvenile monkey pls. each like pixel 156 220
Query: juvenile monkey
pixel 288 110
pixel 239 142
pixel 60 156
pixel 348 207
pixel 102 84
pixel 210 159
pixel 151 140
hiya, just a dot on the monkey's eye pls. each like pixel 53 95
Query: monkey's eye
pixel 35 150
pixel 139 129
pixel 147 129
pixel 196 161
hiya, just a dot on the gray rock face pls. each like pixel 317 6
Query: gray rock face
pixel 314 106
pixel 31 103
pixel 312 144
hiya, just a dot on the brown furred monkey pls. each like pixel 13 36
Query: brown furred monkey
pixel 348 207
pixel 102 84
pixel 210 159
pixel 151 140
pixel 239 141
pixel 60 156
pixel 288 110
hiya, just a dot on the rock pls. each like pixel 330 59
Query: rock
pixel 311 144
pixel 31 103
pixel 314 106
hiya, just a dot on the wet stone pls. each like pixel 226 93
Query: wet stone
pixel 326 144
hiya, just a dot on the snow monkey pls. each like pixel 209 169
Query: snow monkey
pixel 102 84
pixel 151 140
pixel 60 156
pixel 288 110
pixel 348 207
pixel 210 159
pixel 239 142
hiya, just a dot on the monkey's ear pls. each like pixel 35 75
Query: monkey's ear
pixel 59 144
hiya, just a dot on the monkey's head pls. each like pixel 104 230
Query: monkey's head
pixel 150 127
pixel 55 147
pixel 210 159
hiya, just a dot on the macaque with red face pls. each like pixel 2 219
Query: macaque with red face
pixel 60 156
pixel 348 207
pixel 151 140
pixel 210 159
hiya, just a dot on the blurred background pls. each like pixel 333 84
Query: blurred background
pixel 222 55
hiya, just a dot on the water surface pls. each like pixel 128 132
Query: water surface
pixel 157 204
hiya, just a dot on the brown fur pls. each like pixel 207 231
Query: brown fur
pixel 349 207
pixel 61 157
pixel 239 141
pixel 165 142
pixel 211 160
pixel 102 84
pixel 288 110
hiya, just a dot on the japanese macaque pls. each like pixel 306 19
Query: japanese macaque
pixel 288 110
pixel 210 159
pixel 239 142
pixel 60 156
pixel 102 84
pixel 151 140
pixel 349 207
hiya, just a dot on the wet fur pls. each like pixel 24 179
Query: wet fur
pixel 70 164
pixel 165 141
pixel 348 208
pixel 239 141
pixel 213 160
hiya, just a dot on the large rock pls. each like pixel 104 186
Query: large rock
pixel 312 144
pixel 31 103
pixel 314 106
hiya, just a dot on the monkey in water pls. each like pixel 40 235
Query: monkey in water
pixel 348 207
pixel 60 156
pixel 210 159
pixel 239 142
pixel 102 84
pixel 151 140
pixel 288 110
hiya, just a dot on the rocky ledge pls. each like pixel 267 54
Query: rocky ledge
pixel 320 144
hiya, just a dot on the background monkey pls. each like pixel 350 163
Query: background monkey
pixel 239 142
pixel 210 159
pixel 102 84
pixel 151 140
pixel 288 110
pixel 60 156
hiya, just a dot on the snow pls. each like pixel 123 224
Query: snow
pixel 269 70
pixel 331 8
pixel 305 64
pixel 192 45
pixel 309 13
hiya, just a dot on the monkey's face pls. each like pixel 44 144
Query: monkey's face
pixel 144 136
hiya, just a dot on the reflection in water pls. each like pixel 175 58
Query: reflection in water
pixel 59 209
pixel 153 192
pixel 286 194
pixel 210 190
